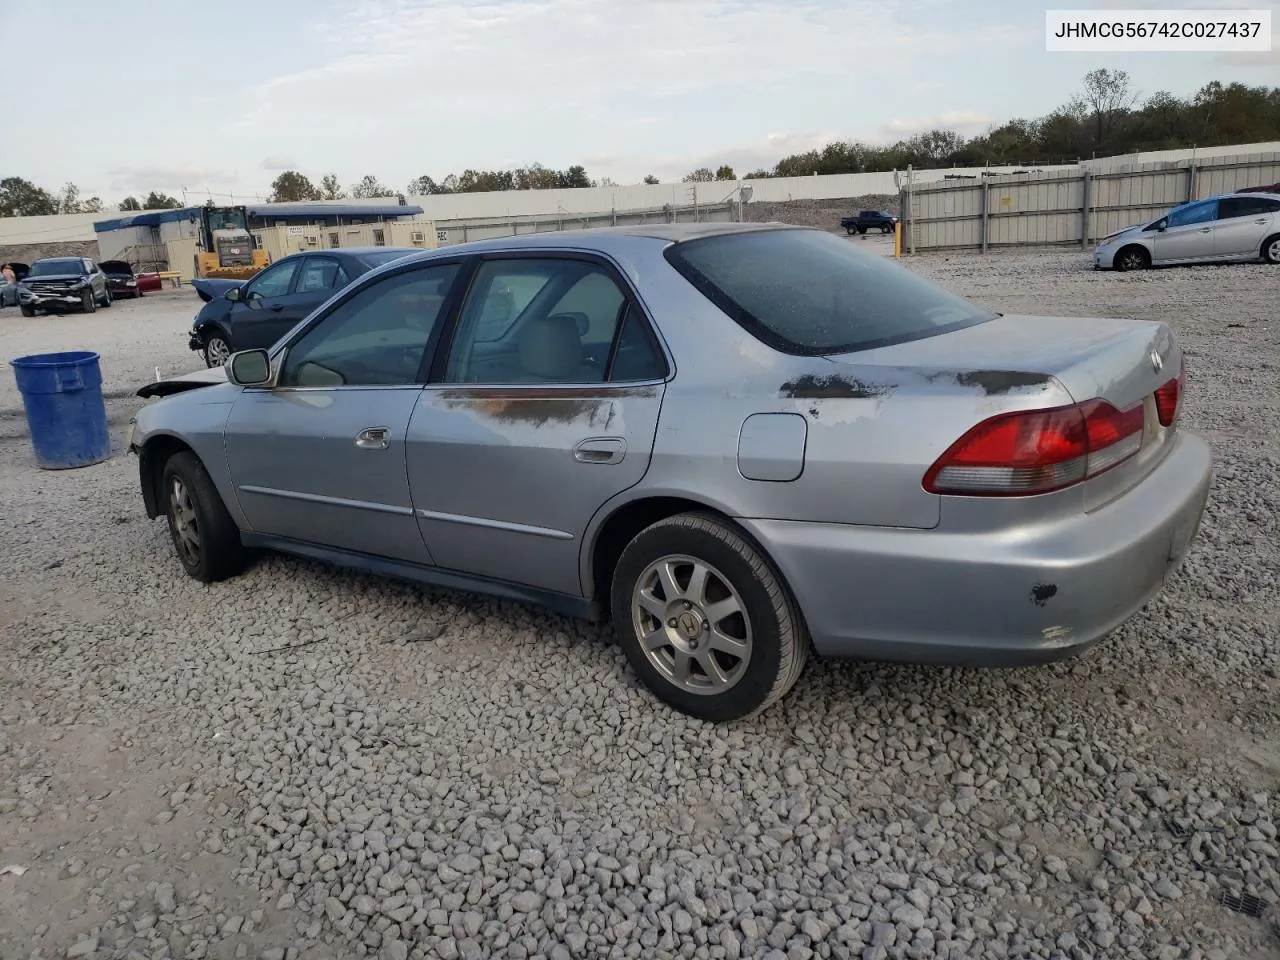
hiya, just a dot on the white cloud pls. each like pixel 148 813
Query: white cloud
pixel 966 122
pixel 447 75
pixel 168 178
pixel 1269 59
pixel 279 163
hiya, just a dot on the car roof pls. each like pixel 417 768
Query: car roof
pixel 356 251
pixel 607 239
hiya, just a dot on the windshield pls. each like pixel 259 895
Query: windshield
pixel 810 292
pixel 227 219
pixel 48 268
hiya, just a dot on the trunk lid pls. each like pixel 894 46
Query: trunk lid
pixel 1120 361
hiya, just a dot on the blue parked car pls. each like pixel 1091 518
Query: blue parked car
pixel 255 313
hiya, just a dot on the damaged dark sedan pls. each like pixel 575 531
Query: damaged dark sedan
pixel 255 313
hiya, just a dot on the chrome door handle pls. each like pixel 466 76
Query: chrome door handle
pixel 1206 230
pixel 1263 220
pixel 373 438
pixel 600 450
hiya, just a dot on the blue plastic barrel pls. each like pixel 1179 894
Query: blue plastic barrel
pixel 62 396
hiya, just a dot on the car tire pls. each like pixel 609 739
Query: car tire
pixel 205 538
pixel 1132 258
pixel 722 680
pixel 28 311
pixel 216 351
pixel 850 231
pixel 88 302
pixel 1270 249
pixel 107 299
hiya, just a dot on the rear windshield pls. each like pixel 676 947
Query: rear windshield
pixel 811 292
pixel 49 268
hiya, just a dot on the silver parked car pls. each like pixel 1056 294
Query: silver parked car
pixel 1234 227
pixel 739 442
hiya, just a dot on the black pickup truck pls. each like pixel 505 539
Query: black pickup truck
pixel 869 220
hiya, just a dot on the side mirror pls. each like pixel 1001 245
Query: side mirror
pixel 249 368
pixel 233 294
pixel 1162 226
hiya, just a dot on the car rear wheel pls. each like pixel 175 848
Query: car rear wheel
pixel 704 620
pixel 1133 258
pixel 216 351
pixel 1271 249
pixel 204 536
pixel 87 302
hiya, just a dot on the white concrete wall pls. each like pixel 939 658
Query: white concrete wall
pixel 528 203
pixel 52 229
pixel 517 203
pixel 1104 164
pixel 113 243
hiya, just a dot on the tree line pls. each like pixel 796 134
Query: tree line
pixel 1107 116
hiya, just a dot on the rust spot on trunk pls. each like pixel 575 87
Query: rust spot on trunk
pixel 832 387
pixel 993 382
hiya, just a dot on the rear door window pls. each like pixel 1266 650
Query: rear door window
pixel 810 292
pixel 1247 207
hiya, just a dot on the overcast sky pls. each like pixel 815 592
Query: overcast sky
pixel 159 94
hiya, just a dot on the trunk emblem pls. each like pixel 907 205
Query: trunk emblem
pixel 1156 363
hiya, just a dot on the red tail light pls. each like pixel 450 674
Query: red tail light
pixel 1169 397
pixel 1037 451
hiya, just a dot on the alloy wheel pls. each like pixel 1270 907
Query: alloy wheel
pixel 216 352
pixel 692 624
pixel 186 527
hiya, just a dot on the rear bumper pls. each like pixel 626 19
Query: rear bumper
pixel 927 596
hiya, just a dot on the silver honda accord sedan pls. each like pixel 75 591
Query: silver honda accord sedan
pixel 740 443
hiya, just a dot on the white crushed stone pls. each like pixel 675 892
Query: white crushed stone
pixel 433 775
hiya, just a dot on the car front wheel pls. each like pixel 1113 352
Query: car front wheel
pixel 704 620
pixel 87 302
pixel 205 537
pixel 216 351
pixel 1133 258
pixel 106 298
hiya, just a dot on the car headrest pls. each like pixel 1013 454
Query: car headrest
pixel 551 347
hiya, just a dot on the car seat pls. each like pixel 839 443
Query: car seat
pixel 550 349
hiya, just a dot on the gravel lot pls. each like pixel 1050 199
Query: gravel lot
pixel 309 763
